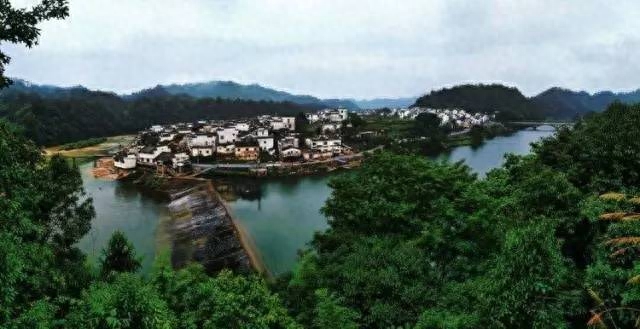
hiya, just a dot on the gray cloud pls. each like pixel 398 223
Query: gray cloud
pixel 338 48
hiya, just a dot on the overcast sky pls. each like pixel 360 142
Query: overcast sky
pixel 341 48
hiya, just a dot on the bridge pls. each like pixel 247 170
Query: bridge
pixel 535 124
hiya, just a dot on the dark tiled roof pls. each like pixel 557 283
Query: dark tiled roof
pixel 164 157
pixel 148 149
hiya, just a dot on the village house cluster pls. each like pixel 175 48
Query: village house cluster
pixel 455 117
pixel 265 138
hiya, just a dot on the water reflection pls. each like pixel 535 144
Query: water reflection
pixel 121 206
pixel 491 153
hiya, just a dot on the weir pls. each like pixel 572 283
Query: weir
pixel 203 230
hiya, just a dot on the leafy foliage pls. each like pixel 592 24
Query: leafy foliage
pixel 601 153
pixel 119 256
pixel 223 301
pixel 19 25
pixel 127 302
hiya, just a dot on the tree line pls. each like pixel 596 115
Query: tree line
pixel 79 114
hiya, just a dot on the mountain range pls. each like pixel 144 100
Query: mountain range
pixel 255 92
pixel 231 90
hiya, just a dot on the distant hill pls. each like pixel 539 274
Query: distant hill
pixel 554 103
pixel 379 103
pixel 567 104
pixel 509 102
pixel 233 90
pixel 23 86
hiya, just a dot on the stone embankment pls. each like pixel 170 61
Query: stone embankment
pixel 202 229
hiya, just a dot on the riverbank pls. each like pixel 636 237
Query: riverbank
pixel 103 149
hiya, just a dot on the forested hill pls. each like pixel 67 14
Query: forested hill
pixel 508 101
pixel 554 103
pixel 565 103
pixel 52 115
pixel 233 90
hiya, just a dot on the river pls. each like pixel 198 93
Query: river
pixel 121 206
pixel 280 215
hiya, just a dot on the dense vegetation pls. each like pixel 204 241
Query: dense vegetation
pixel 507 101
pixel 70 115
pixel 412 243
pixel 567 104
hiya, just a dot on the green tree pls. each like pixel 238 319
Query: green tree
pixel 428 125
pixel 355 120
pixel 477 135
pixel 119 256
pixel 302 123
pixel 529 284
pixel 127 302
pixel 223 301
pixel 400 228
pixel 20 26
pixel 600 153
pixel 43 214
pixel 612 278
pixel 330 314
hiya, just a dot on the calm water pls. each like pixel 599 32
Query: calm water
pixel 283 218
pixel 121 206
pixel 280 215
pixel 490 155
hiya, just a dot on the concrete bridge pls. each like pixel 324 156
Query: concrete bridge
pixel 535 124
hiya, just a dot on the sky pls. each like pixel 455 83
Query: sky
pixel 338 48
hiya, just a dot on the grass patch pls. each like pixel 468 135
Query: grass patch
pixel 83 143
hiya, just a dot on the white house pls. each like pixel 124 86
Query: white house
pixel 124 161
pixel 156 128
pixel 202 140
pixel 242 126
pixel 226 149
pixel 184 130
pixel 148 155
pixel 288 142
pixel 338 115
pixel 180 158
pixel 313 117
pixel 265 142
pixel 324 144
pixel 261 132
pixel 278 124
pixel 167 137
pixel 290 123
pixel 291 153
pixel 227 135
pixel 203 151
pixel 331 127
